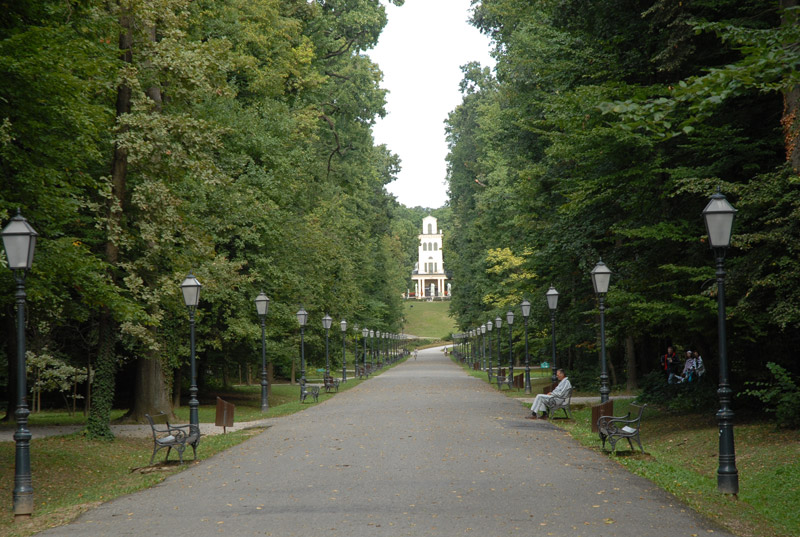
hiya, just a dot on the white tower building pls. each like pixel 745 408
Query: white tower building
pixel 429 277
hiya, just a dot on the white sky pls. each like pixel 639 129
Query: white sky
pixel 420 53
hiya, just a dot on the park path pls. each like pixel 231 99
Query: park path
pixel 422 449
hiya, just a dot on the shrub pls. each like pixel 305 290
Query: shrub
pixel 684 398
pixel 780 395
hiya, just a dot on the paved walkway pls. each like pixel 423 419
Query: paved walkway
pixel 422 449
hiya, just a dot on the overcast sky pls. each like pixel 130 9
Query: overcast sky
pixel 420 53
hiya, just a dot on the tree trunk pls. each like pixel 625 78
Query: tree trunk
pixel 103 386
pixel 791 106
pixel 106 366
pixel 151 395
pixel 630 361
pixel 10 332
pixel 177 384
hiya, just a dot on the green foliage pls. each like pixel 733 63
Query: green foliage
pixel 684 398
pixel 246 156
pixel 780 395
pixel 601 134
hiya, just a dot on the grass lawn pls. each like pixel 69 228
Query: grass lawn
pixel 681 457
pixel 428 319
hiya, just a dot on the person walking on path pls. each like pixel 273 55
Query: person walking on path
pixel 560 391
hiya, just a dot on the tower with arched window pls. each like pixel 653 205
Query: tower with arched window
pixel 429 278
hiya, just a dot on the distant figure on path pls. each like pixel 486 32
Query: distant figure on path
pixel 539 404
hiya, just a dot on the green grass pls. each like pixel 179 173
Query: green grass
pixel 681 457
pixel 428 319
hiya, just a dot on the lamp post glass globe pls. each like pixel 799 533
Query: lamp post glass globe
pixel 719 216
pixel 191 291
pixel 601 277
pixel 19 243
pixel 552 298
pixel 262 304
pixel 302 317
pixel 526 308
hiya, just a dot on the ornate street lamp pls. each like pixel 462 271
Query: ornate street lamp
pixel 365 333
pixel 262 305
pixel 510 322
pixel 372 348
pixel 719 216
pixel 552 304
pixel 19 242
pixel 191 297
pixel 302 319
pixel 326 324
pixel 378 352
pixel 601 277
pixel 343 326
pixel 526 311
pixel 489 326
pixel 483 345
pixel 497 324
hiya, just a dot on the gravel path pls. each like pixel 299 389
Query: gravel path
pixel 421 450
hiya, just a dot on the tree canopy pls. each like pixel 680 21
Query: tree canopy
pixel 602 133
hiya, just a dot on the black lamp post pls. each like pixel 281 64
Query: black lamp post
pixel 378 352
pixel 489 325
pixel 19 241
pixel 483 346
pixel 497 324
pixel 510 322
pixel 601 277
pixel 191 297
pixel 365 333
pixel 302 319
pixel 719 216
pixel 343 326
pixel 326 324
pixel 372 348
pixel 552 304
pixel 262 305
pixel 526 311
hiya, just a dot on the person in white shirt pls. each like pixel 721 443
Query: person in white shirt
pixel 560 391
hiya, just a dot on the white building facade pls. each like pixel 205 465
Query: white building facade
pixel 429 277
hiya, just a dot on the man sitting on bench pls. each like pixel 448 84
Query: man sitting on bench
pixel 539 404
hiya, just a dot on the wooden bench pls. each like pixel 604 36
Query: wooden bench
pixel 330 383
pixel 305 392
pixel 614 428
pixel 172 436
pixel 557 403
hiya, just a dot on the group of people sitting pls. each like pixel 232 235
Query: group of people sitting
pixel 676 371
